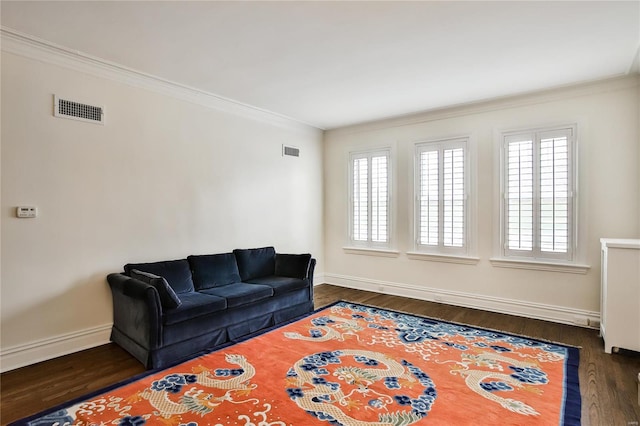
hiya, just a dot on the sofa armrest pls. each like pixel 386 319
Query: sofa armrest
pixel 137 311
pixel 312 268
pixel 293 265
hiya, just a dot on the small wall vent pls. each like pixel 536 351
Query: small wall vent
pixel 73 110
pixel 290 151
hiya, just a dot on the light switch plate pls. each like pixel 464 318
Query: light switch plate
pixel 25 212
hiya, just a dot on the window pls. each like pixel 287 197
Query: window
pixel 369 198
pixel 442 186
pixel 538 187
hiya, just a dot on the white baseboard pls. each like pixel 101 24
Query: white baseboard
pixel 45 349
pixel 318 279
pixel 553 313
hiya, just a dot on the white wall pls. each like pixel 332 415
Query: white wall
pixel 609 154
pixel 165 178
pixel 162 179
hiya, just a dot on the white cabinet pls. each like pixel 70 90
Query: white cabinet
pixel 620 294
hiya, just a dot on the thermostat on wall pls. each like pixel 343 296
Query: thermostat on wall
pixel 26 211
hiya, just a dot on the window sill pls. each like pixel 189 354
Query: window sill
pixel 367 251
pixel 447 258
pixel 571 268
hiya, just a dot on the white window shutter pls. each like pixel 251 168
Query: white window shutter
pixel 429 199
pixel 360 199
pixel 539 186
pixel 454 197
pixel 519 182
pixel 379 198
pixel 441 214
pixel 554 194
pixel 369 198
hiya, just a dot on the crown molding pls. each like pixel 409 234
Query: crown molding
pixel 28 46
pixel 620 82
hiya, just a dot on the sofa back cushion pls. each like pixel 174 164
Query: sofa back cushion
pixel 176 272
pixel 256 263
pixel 168 297
pixel 214 270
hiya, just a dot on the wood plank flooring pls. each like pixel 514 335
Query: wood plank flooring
pixel 607 382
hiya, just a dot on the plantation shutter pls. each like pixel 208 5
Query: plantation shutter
pixel 520 194
pixel 538 194
pixel 453 192
pixel 441 195
pixel 370 197
pixel 429 200
pixel 360 199
pixel 379 199
pixel 554 193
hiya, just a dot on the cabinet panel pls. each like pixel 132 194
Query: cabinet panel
pixel 620 294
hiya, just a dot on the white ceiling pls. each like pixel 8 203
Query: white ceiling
pixel 331 64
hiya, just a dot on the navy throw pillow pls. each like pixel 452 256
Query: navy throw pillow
pixel 293 265
pixel 256 263
pixel 176 272
pixel 168 297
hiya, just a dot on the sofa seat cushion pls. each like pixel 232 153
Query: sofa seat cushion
pixel 241 293
pixel 214 270
pixel 194 305
pixel 176 272
pixel 281 285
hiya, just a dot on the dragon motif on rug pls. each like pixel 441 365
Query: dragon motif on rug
pixel 166 397
pixel 316 391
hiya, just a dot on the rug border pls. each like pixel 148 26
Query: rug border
pixel 572 403
pixel 571 411
pixel 539 339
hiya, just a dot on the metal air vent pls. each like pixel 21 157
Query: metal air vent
pixel 73 110
pixel 290 151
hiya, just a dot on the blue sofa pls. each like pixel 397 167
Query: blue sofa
pixel 164 312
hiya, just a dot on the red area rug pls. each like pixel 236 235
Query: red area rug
pixel 350 364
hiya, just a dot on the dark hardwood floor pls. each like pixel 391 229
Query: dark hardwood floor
pixel 607 382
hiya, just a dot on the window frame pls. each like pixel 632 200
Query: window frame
pixel 536 255
pixel 440 252
pixel 369 244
